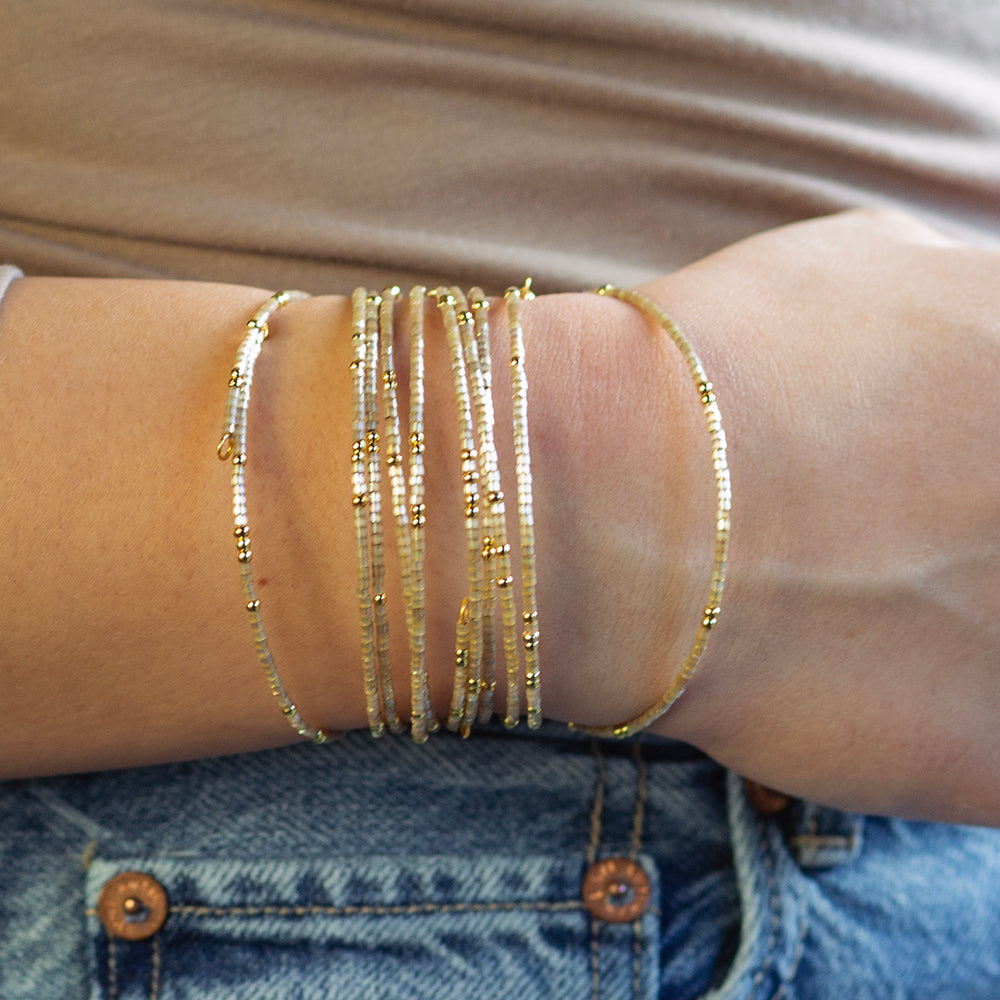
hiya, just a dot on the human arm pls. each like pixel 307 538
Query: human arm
pixel 865 525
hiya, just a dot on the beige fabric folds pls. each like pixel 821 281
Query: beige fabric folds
pixel 324 144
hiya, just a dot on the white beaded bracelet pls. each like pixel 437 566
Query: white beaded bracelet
pixel 233 446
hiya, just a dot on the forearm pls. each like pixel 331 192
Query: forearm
pixel 126 637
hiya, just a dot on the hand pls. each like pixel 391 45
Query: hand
pixel 856 361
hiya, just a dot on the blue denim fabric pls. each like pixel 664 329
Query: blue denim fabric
pixel 380 869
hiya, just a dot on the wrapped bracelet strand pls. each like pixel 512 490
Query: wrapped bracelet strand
pixel 526 516
pixel 713 420
pixel 469 639
pixel 233 446
pixel 422 719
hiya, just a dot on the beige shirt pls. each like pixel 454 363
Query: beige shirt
pixel 293 142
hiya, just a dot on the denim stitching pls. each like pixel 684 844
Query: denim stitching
pixel 772 886
pixel 112 971
pixel 800 947
pixel 638 822
pixel 409 910
pixel 596 818
pixel 774 904
pixel 639 814
pixel 154 975
pixel 597 810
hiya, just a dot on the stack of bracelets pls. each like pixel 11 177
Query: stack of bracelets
pixel 378 446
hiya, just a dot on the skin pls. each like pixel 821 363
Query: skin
pixel 856 360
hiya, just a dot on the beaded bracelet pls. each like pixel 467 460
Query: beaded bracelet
pixel 496 548
pixel 233 446
pixel 422 719
pixel 713 419
pixel 468 652
pixel 526 518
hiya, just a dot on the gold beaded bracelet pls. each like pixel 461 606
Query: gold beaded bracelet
pixel 360 499
pixel 713 419
pixel 233 446
pixel 422 720
pixel 526 519
pixel 469 637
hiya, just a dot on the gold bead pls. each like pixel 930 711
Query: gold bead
pixel 711 617
pixel 393 458
pixel 529 617
pixel 494 496
pixel 505 581
pixel 253 606
pixel 371 438
pixel 469 454
pixel 379 600
pixel 417 443
pixel 470 477
pixel 244 555
pixel 488 549
pixel 389 379
pixel 240 458
pixel 472 507
pixel 530 640
pixel 532 680
pixel 359 499
pixel 241 530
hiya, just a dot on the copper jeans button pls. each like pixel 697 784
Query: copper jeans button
pixel 765 801
pixel 132 906
pixel 616 890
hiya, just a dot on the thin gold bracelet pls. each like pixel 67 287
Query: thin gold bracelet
pixel 526 522
pixel 468 654
pixel 362 496
pixel 233 446
pixel 713 419
pixel 422 720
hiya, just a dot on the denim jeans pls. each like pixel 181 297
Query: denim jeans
pixel 370 868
